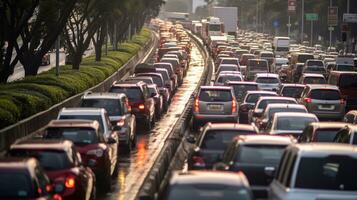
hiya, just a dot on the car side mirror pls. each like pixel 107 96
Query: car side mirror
pixel 220 166
pixel 191 139
pixel 111 140
pixel 270 171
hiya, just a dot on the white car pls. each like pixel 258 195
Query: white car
pixel 267 81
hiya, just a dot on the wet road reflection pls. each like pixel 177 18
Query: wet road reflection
pixel 134 167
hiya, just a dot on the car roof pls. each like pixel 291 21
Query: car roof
pixel 216 87
pixel 62 145
pixel 272 75
pixel 292 85
pixel 316 149
pixel 264 139
pixel 242 83
pixel 18 163
pixel 207 177
pixel 294 114
pixel 342 72
pixel 73 123
pixel 285 105
pixel 276 97
pixel 327 125
pixel 137 84
pixel 261 92
pixel 162 63
pixel 322 86
pixel 229 58
pixel 82 111
pixel 312 75
pixel 107 95
pixel 229 126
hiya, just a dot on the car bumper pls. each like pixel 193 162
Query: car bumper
pixel 329 115
pixel 203 119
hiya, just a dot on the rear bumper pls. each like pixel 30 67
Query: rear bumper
pixel 200 119
pixel 329 115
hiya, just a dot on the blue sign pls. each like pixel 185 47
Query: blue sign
pixel 276 24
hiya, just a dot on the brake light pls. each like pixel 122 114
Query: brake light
pixel 197 105
pixel 342 101
pixel 70 182
pixel 57 197
pixel 198 161
pixel 307 100
pixel 141 106
pixel 121 122
pixel 234 106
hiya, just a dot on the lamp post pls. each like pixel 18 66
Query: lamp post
pixel 302 19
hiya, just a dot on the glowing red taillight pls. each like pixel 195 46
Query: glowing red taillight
pixel 196 106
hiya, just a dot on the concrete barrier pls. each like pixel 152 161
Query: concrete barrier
pixel 26 127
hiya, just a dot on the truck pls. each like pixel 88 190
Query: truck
pixel 213 26
pixel 228 16
pixel 281 46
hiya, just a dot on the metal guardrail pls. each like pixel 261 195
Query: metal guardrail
pixel 27 126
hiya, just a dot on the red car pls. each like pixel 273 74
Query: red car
pixel 62 164
pixel 94 149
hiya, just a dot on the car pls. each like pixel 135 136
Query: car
pixel 277 64
pixel 321 132
pixel 256 66
pixel 294 72
pixel 136 79
pixel 212 141
pixel 347 135
pixel 168 82
pixel 343 68
pixel 24 178
pixel 245 58
pixel 350 117
pixel 315 67
pixel 159 101
pixel 308 78
pixel 316 171
pixel 291 90
pixel 95 150
pixel 263 102
pixel 271 109
pixel 347 83
pixel 120 116
pixel 289 123
pixel 249 103
pixel 141 103
pixel 325 101
pixel 214 104
pixel 225 76
pixel 230 61
pixel 62 164
pixel 267 81
pixel 267 55
pixel 241 88
pixel 179 71
pixel 203 185
pixel 227 67
pixel 170 70
pixel 257 156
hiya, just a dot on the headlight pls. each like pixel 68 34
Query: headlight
pixel 96 152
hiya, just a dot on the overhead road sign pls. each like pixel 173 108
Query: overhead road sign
pixel 350 18
pixel 312 16
pixel 332 17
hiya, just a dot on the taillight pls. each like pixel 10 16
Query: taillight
pixel 198 161
pixel 141 106
pixel 307 100
pixel 342 101
pixel 57 197
pixel 70 182
pixel 197 105
pixel 234 106
pixel 121 123
pixel 244 108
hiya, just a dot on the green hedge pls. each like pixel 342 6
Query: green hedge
pixel 23 98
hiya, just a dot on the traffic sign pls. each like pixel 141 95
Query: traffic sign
pixel 312 17
pixel 331 28
pixel 332 17
pixel 292 6
pixel 350 18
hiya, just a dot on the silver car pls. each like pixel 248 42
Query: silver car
pixel 316 172
pixel 324 101
pixel 214 104
pixel 267 81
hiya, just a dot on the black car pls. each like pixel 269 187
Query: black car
pixel 257 156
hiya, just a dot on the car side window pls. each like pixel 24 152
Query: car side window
pixel 107 120
pixel 290 169
pixel 145 92
pixel 282 164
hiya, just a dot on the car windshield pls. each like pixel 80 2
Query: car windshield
pixel 86 117
pixel 325 94
pixel 133 93
pixel 209 95
pixel 167 67
pixel 327 173
pixel 76 135
pixel 112 106
pixel 223 79
pixel 348 81
pixel 272 111
pixel 231 62
pixel 241 90
pixel 294 92
pixel 207 191
pixel 268 80
pixel 315 69
pixel 267 55
pixel 325 135
pixel 304 58
pixel 314 80
pixel 15 185
pixel 218 139
pixel 293 123
pixel 50 160
pixel 349 68
pixel 214 27
pixel 227 68
pixel 253 98
pixel 260 154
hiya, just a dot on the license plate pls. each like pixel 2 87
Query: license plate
pixel 326 107
pixel 215 107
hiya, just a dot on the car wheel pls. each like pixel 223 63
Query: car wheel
pixel 148 124
pixel 107 185
pixel 133 143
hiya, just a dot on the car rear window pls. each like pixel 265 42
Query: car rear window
pixel 223 79
pixel 228 68
pixel 315 63
pixel 315 69
pixel 268 80
pixel 267 55
pixel 294 123
pixel 15 185
pixel 229 61
pixel 50 160
pixel 258 65
pixel 253 98
pixel 314 80
pixel 324 94
pixel 264 103
pixel 167 67
pixel 209 95
pixel 218 139
pixel 304 58
pixel 275 110
pixel 133 93
pixel 157 80
pixel 76 135
pixel 325 135
pixel 350 68
pixel 112 106
pixel 241 90
pixel 260 154
pixel 86 117
pixel 348 81
pixel 327 173
pixel 292 91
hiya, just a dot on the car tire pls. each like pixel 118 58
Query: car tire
pixel 107 185
pixel 153 120
pixel 148 124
